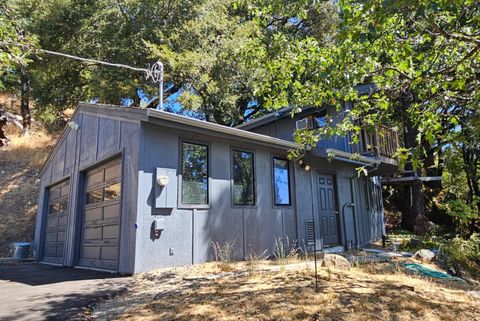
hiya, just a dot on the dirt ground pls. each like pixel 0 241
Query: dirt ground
pixel 374 292
pixel 20 165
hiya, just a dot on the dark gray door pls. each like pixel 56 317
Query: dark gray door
pixel 328 211
pixel 55 230
pixel 101 217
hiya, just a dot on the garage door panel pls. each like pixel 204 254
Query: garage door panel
pixel 65 190
pixel 60 249
pixel 94 196
pixel 51 251
pixel 109 253
pixel 90 252
pixel 110 232
pixel 61 236
pixel 112 192
pixel 92 214
pixel 95 178
pixel 56 222
pixel 113 172
pixel 101 217
pixel 54 194
pixel 52 222
pixel 62 221
pixel 51 237
pixel 111 211
pixel 92 233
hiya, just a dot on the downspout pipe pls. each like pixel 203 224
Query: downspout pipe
pixel 353 206
pixel 354 212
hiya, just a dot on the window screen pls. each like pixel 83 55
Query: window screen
pixel 281 181
pixel 243 178
pixel 194 174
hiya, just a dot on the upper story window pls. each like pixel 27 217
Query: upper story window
pixel 281 181
pixel 320 119
pixel 243 178
pixel 194 174
pixel 313 121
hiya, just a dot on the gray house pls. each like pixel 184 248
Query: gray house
pixel 129 190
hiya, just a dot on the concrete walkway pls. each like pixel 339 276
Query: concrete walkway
pixel 43 292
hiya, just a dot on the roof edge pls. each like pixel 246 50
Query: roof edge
pixel 216 128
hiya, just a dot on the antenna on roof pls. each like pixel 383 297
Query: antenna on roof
pixel 156 74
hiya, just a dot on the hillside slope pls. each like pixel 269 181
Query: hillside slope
pixel 20 164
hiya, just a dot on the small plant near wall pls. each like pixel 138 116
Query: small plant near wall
pixel 285 251
pixel 223 252
pixel 254 259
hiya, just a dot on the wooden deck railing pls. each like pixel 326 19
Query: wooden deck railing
pixel 380 140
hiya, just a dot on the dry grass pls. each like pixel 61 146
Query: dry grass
pixel 20 164
pixel 358 294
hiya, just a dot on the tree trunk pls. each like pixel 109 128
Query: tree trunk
pixel 3 122
pixel 25 101
pixel 413 204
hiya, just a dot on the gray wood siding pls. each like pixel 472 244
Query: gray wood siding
pixel 369 226
pixel 98 137
pixel 284 129
pixel 189 232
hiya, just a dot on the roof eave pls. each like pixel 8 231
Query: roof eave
pixel 221 129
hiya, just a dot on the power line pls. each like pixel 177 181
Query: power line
pixel 155 72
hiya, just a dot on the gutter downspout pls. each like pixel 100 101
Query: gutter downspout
pixel 353 206
pixel 354 212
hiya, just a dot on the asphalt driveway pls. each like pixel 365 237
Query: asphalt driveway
pixel 44 292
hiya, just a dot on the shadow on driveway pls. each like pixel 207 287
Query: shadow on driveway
pixel 44 292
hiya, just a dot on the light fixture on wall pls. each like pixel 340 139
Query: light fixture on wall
pixel 162 180
pixel 303 165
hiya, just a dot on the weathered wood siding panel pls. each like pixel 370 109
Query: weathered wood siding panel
pixel 355 224
pixel 97 138
pixel 188 234
pixel 70 152
pixel 284 129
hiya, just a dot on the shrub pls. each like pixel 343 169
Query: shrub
pixel 224 253
pixel 284 250
pixel 466 252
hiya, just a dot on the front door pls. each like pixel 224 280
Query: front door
pixel 328 211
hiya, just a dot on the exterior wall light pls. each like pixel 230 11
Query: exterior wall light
pixel 162 180
pixel 304 165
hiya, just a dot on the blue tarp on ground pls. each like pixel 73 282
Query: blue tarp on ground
pixel 423 270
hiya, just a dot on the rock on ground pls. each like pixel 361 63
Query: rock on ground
pixel 336 261
pixel 424 255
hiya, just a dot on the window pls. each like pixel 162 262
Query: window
pixel 281 181
pixel 194 174
pixel 95 196
pixel 320 119
pixel 112 192
pixel 373 196
pixel 243 178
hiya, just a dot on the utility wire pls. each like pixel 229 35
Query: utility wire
pixel 155 72
pixel 93 60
